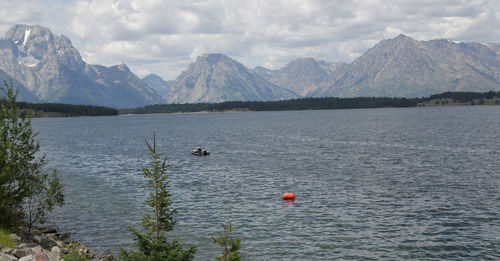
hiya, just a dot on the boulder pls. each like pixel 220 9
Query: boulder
pixel 23 245
pixel 41 257
pixel 54 254
pixel 51 236
pixel 64 237
pixel 23 234
pixel 88 253
pixel 26 258
pixel 6 250
pixel 49 230
pixel 47 243
pixel 6 257
pixel 60 244
pixel 107 257
pixel 36 249
pixel 37 239
pixel 22 251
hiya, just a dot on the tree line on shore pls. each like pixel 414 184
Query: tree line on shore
pixel 325 103
pixel 463 97
pixel 67 110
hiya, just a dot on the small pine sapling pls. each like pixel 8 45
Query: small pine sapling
pixel 230 245
pixel 153 245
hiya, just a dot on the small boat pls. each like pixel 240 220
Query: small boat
pixel 200 152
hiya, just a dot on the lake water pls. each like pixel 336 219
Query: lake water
pixel 417 183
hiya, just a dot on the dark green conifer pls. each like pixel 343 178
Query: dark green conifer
pixel 153 245
pixel 27 192
pixel 230 245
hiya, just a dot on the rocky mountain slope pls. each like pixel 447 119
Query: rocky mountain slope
pixel 404 67
pixel 53 70
pixel 156 82
pixel 23 93
pixel 304 76
pixel 398 67
pixel 218 78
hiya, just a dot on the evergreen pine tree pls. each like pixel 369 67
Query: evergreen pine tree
pixel 153 245
pixel 230 245
pixel 26 190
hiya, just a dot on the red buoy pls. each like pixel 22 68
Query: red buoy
pixel 289 196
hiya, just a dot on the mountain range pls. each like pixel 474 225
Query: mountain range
pixel 398 67
pixel 218 78
pixel 160 85
pixel 47 68
pixel 52 70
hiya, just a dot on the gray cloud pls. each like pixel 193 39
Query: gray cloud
pixel 165 36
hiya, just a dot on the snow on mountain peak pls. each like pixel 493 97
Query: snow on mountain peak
pixel 27 33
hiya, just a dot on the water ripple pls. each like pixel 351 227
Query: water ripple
pixel 370 184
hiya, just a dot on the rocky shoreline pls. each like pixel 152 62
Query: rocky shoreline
pixel 45 244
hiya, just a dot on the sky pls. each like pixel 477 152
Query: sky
pixel 165 36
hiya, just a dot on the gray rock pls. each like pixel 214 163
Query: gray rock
pixel 107 257
pixel 41 257
pixel 23 245
pixel 20 252
pixel 59 244
pixel 54 254
pixel 37 239
pixel 6 250
pixel 6 257
pixel 47 243
pixel 36 249
pixel 27 258
pixel 51 236
pixel 64 237
pixel 23 234
pixel 49 229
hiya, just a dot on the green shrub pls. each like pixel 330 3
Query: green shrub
pixel 73 254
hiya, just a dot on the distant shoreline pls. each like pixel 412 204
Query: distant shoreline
pixel 444 99
pixel 52 110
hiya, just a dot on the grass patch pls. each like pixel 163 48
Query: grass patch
pixel 73 254
pixel 5 239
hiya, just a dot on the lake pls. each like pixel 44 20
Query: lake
pixel 409 183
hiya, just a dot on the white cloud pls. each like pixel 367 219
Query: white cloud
pixel 163 37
